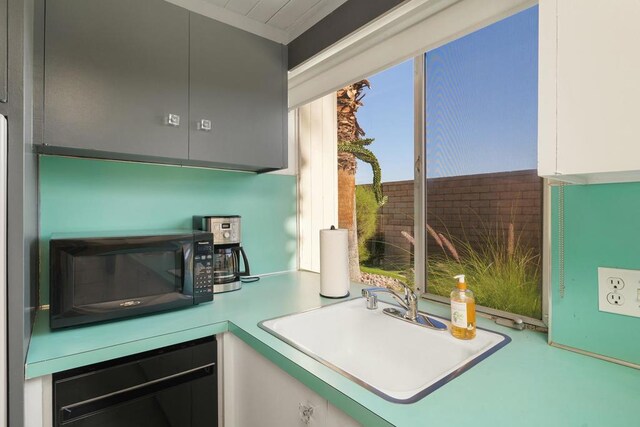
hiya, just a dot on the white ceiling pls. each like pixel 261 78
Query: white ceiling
pixel 278 20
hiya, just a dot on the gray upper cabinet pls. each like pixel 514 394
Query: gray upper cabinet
pixel 114 71
pixel 238 84
pixel 4 52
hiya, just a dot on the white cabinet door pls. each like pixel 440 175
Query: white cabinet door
pixel 589 90
pixel 38 402
pixel 258 393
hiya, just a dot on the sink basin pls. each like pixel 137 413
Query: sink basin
pixel 398 361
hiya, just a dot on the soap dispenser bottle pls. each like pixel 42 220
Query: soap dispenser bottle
pixel 463 311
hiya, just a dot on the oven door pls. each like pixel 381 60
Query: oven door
pixel 178 402
pixel 174 386
pixel 107 278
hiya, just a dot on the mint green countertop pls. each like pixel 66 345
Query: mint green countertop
pixel 527 383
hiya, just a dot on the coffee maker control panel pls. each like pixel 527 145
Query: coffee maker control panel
pixel 203 271
pixel 225 229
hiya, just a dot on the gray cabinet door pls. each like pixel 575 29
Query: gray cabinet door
pixel 114 70
pixel 238 82
pixel 4 52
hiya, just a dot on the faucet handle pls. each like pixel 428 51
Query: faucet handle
pixel 408 292
pixel 406 287
pixel 372 302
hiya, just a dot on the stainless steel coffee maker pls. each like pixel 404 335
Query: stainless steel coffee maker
pixel 227 251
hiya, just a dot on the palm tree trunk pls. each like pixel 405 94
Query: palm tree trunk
pixel 346 198
pixel 349 100
pixel 347 218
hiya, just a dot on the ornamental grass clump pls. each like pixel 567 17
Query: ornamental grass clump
pixel 503 273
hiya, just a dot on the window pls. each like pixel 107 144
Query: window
pixel 484 196
pixel 476 115
pixel 385 227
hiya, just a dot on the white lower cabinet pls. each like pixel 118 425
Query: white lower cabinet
pixel 38 402
pixel 258 393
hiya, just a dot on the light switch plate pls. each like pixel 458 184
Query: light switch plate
pixel 619 291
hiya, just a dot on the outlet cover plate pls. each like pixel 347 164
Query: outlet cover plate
pixel 619 282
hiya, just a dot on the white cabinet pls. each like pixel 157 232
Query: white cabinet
pixel 258 393
pixel 38 402
pixel 589 91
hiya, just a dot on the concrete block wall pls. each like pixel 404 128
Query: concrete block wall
pixel 464 207
pixel 395 217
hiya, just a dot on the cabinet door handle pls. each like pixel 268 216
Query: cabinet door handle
pixel 105 402
pixel 204 125
pixel 172 120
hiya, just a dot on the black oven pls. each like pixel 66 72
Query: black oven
pixel 108 277
pixel 173 386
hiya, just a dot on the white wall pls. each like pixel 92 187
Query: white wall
pixel 317 137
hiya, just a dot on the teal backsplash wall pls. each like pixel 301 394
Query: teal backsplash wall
pixel 80 195
pixel 601 229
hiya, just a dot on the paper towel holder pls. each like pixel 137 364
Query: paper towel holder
pixel 343 296
pixel 348 293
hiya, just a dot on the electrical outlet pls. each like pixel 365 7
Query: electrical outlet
pixel 619 291
pixel 615 282
pixel 615 298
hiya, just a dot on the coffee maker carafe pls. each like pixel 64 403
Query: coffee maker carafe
pixel 228 254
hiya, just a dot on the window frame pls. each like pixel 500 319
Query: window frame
pixel 357 57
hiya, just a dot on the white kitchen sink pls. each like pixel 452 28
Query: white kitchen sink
pixel 399 361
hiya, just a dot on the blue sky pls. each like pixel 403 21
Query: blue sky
pixel 482 106
pixel 387 116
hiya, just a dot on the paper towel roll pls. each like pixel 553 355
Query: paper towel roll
pixel 334 263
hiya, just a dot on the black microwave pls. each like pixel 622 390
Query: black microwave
pixel 105 277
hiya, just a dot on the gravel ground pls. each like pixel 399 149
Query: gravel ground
pixel 378 280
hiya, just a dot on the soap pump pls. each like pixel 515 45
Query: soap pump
pixel 463 310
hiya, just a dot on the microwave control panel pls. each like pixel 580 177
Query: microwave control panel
pixel 203 271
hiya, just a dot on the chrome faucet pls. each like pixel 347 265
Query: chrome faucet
pixel 409 303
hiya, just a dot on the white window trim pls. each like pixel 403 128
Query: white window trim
pixel 419 173
pixel 316 135
pixel 411 28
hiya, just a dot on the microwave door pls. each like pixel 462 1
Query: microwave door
pixel 98 280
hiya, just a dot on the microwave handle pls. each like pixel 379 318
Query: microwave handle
pixel 187 268
pixel 246 271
